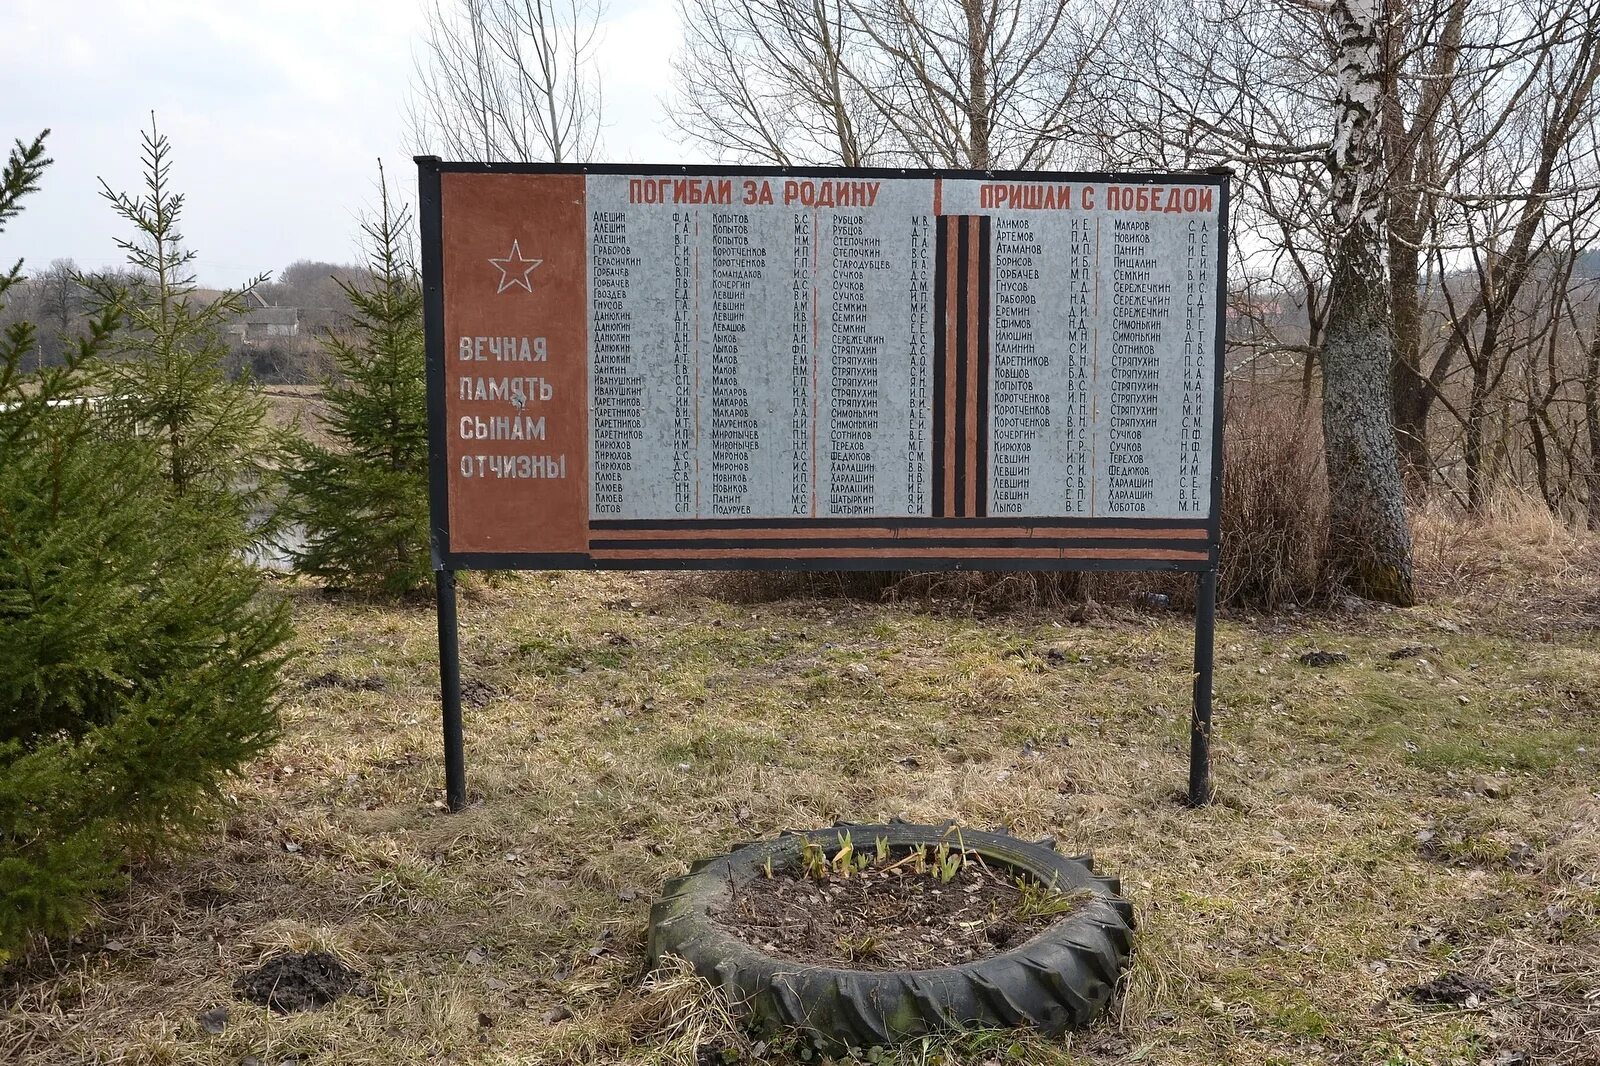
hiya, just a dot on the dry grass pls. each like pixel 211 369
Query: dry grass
pixel 299 408
pixel 1519 567
pixel 1382 822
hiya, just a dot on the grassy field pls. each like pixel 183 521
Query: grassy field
pixel 1382 822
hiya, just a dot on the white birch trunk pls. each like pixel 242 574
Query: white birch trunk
pixel 1369 531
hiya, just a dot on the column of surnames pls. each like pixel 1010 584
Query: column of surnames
pixel 740 436
pixel 855 380
pixel 1157 324
pixel 616 381
pixel 756 457
pixel 1140 319
pixel 772 336
pixel 872 344
pixel 644 358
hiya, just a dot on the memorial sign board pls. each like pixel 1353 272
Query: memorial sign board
pixel 822 369
pixel 707 367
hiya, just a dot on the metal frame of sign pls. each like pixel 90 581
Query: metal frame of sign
pixel 1079 543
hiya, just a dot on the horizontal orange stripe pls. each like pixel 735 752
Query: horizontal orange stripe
pixel 907 552
pixel 977 530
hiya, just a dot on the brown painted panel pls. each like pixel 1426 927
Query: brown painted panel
pixel 514 273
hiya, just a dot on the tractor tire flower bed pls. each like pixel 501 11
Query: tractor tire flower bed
pixel 891 917
pixel 867 935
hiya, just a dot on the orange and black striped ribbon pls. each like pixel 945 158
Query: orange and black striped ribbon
pixel 961 368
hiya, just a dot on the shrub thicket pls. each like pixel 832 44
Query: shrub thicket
pixel 364 503
pixel 1274 504
pixel 138 657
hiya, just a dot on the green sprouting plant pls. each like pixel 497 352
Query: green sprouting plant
pixel 1045 901
pixel 766 867
pixel 813 860
pixel 947 863
pixel 843 863
pixel 942 861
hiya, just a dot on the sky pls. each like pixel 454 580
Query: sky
pixel 277 112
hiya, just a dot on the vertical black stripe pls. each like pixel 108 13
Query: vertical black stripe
pixel 984 249
pixel 941 289
pixel 963 361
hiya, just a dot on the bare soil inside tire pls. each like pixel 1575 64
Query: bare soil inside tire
pixel 890 919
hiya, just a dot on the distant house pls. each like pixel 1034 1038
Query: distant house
pixel 262 321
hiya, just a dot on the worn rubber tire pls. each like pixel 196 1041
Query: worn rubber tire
pixel 1059 980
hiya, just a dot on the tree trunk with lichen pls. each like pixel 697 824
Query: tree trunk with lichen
pixel 978 117
pixel 1412 165
pixel 1369 535
pixel 1591 419
pixel 1412 397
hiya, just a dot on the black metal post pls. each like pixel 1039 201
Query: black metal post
pixel 1205 630
pixel 455 760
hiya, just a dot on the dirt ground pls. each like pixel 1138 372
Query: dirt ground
pixel 1403 866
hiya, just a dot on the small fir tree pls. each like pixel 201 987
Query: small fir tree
pixel 170 382
pixel 138 658
pixel 364 503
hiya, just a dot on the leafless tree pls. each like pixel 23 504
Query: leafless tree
pixel 1517 191
pixel 508 81
pixel 63 307
pixel 1247 85
pixel 953 83
pixel 768 81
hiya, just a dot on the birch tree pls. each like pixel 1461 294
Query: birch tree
pixel 1293 96
pixel 1369 536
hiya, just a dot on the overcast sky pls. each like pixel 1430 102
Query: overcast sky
pixel 277 112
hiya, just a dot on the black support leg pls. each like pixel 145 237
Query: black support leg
pixel 1205 631
pixel 455 763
